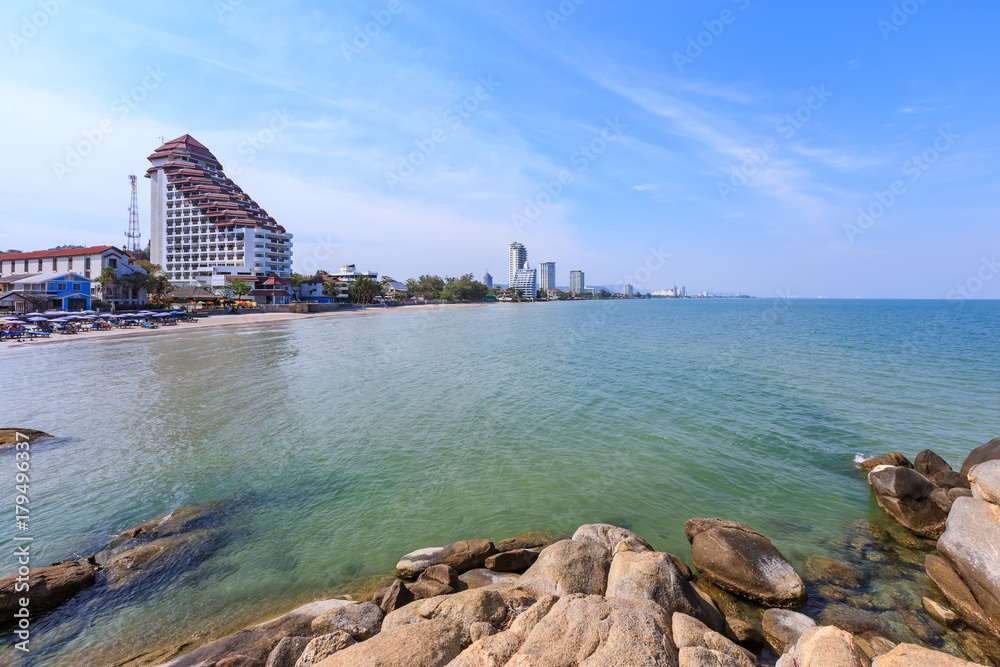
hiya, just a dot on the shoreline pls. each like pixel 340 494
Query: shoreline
pixel 213 321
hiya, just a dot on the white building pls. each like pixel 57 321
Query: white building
pixel 518 258
pixel 547 275
pixel 88 262
pixel 628 290
pixel 576 282
pixel 525 280
pixel 204 230
pixel 347 275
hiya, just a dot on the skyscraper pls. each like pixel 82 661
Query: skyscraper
pixel 547 275
pixel 518 258
pixel 576 282
pixel 627 290
pixel 488 280
pixel 526 281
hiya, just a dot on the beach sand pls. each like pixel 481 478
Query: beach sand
pixel 222 320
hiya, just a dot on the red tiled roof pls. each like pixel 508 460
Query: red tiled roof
pixel 185 144
pixel 64 252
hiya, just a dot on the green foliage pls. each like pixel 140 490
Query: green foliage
pixel 149 266
pixel 465 288
pixel 240 287
pixel 363 290
pixel 604 294
pixel 427 287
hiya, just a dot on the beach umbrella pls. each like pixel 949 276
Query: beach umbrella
pixel 38 319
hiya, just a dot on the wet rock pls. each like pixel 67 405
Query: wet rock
pixel 970 543
pixel 464 555
pixel 873 645
pixel 517 560
pixel 744 634
pixel 852 597
pixel 465 608
pixel 498 649
pixel 728 604
pixel 432 643
pixel 940 613
pixel 395 597
pixel 9 437
pixel 569 566
pixel 782 628
pixel 481 577
pixel 690 633
pixel 905 495
pixel 321 648
pixel 835 572
pixel 599 632
pixel 890 459
pixel 436 580
pixel 51 586
pixel 611 537
pixel 984 480
pixel 825 647
pixel 360 620
pixel 742 561
pixel 936 469
pixel 287 652
pixel 922 628
pixel 530 540
pixel 910 655
pixel 957 592
pixel 988 452
pixel 855 621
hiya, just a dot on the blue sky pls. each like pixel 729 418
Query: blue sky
pixel 740 138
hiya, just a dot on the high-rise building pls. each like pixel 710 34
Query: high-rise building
pixel 547 276
pixel 518 258
pixel 525 280
pixel 576 282
pixel 488 280
pixel 206 231
pixel 627 290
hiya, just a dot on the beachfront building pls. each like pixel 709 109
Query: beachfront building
pixel 342 281
pixel 488 280
pixel 518 258
pixel 553 294
pixel 88 262
pixel 62 291
pixel 547 275
pixel 312 291
pixel 395 290
pixel 525 281
pixel 204 230
pixel 576 282
pixel 628 290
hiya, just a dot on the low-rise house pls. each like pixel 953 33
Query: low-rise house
pixel 88 262
pixel 63 291
pixel 312 290
pixel 395 289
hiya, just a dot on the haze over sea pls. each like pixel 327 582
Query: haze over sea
pixel 343 442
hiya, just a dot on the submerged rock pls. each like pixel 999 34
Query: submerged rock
pixel 51 586
pixel 906 495
pixel 835 572
pixel 481 577
pixel 530 540
pixel 742 561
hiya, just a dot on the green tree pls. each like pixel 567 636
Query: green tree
pixel 106 280
pixel 157 287
pixel 604 294
pixel 427 287
pixel 149 266
pixel 363 290
pixel 134 282
pixel 240 287
pixel 465 288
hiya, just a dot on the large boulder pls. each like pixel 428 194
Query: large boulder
pixel 50 587
pixel 970 543
pixel 906 495
pixel 701 646
pixel 432 643
pixel 988 452
pixel 516 560
pixel 322 647
pixel 783 627
pixel 569 566
pixel 465 608
pixel 910 655
pixel 530 540
pixel 742 561
pixel 599 632
pixel 611 537
pixel 653 575
pixel 984 480
pixel 499 648
pixel 396 596
pixel 464 555
pixel 890 459
pixel 436 580
pixel 825 646
pixel 361 620
pixel 937 470
pixel 287 652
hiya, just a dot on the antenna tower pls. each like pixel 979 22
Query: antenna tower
pixel 132 236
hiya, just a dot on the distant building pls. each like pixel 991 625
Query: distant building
pixel 312 291
pixel 576 282
pixel 88 262
pixel 553 294
pixel 526 280
pixel 547 275
pixel 347 275
pixel 64 291
pixel 518 258
pixel 488 280
pixel 396 290
pixel 628 290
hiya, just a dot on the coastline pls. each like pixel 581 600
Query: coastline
pixel 213 321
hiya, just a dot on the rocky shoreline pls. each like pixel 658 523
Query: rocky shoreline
pixel 921 588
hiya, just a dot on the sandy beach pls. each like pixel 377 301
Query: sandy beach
pixel 220 321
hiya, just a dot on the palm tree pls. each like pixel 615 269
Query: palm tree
pixel 108 277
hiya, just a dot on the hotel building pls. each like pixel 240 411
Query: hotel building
pixel 526 280
pixel 518 258
pixel 576 282
pixel 204 230
pixel 547 276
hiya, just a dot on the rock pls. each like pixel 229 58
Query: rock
pixel 360 620
pixel 481 629
pixel 988 452
pixel 321 648
pixel 569 566
pixel 970 543
pixel 652 575
pixel 611 537
pixel 436 580
pixel 531 540
pixel 432 643
pixel 397 596
pixel 181 520
pixel 940 613
pixel 287 652
pixel 891 459
pixel 956 493
pixel 9 437
pixel 239 661
pixel 512 561
pixel 910 655
pixel 825 647
pixel 683 567
pixel 873 645
pixel 498 649
pixel 835 572
pixel 462 556
pixel 942 500
pixel 745 634
pixel 180 551
pixel 689 632
pixel 697 656
pixel 957 592
pixel 481 577
pixel 854 620
pixel 465 608
pixel 598 632
pixel 905 495
pixel 742 561
pixel 51 586
pixel 936 469
pixel 782 628
pixel 984 480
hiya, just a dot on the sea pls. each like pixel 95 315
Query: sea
pixel 335 444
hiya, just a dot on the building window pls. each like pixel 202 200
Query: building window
pixel 70 261
pixel 62 287
pixel 25 266
pixel 55 264
pixel 39 265
pixel 76 287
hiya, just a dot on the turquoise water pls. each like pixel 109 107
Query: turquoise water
pixel 345 441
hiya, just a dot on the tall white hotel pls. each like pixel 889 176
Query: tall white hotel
pixel 204 230
pixel 518 258
pixel 547 275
